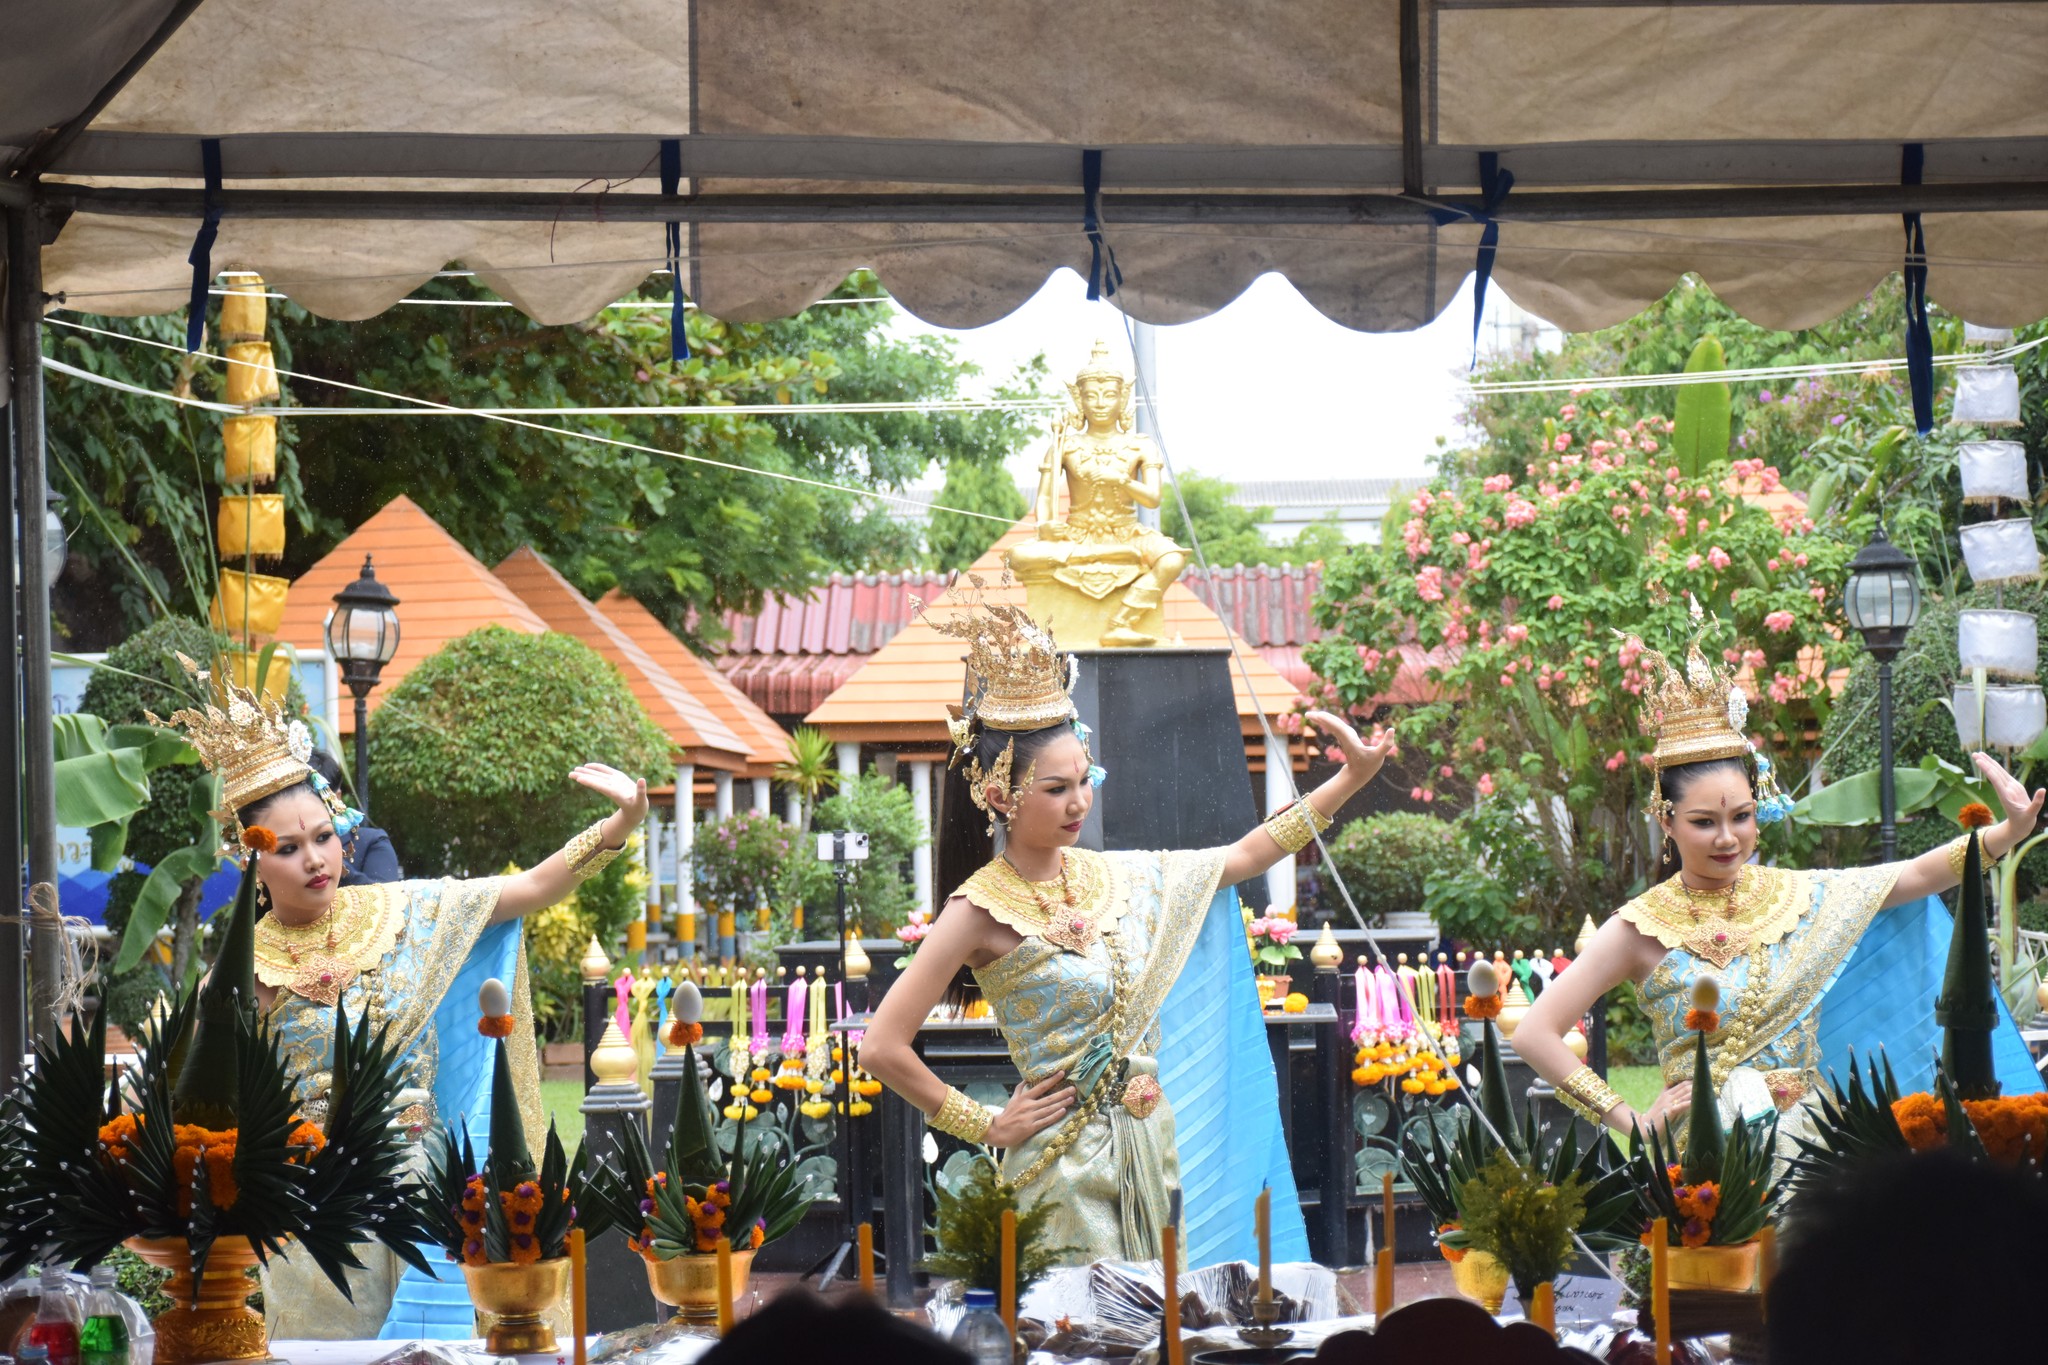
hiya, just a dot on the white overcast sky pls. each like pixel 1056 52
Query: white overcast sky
pixel 1266 388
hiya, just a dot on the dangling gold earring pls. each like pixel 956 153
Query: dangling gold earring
pixel 262 897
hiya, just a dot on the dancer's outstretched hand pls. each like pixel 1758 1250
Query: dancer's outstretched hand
pixel 629 794
pixel 1362 760
pixel 2021 812
pixel 1033 1109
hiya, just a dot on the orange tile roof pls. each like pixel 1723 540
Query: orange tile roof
pixel 690 724
pixel 768 742
pixel 443 592
pixel 902 691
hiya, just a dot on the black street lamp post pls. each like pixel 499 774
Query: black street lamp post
pixel 362 636
pixel 1882 601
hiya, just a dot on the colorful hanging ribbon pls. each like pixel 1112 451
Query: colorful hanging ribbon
pixel 201 257
pixel 1366 1000
pixel 793 1018
pixel 1494 184
pixel 672 233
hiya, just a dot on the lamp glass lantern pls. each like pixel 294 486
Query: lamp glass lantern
pixel 362 630
pixel 1882 598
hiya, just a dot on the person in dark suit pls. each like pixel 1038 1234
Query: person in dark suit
pixel 368 854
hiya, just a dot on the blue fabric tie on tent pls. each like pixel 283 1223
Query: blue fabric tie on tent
pixel 438 1309
pixel 671 181
pixel 1494 184
pixel 1883 1001
pixel 1217 1072
pixel 201 258
pixel 1919 337
pixel 1104 279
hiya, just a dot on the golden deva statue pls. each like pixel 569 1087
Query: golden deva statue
pixel 1100 575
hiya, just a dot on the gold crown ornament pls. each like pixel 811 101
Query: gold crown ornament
pixel 1699 714
pixel 1018 681
pixel 250 744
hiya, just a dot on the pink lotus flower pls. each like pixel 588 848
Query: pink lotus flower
pixel 1556 601
pixel 1485 785
pixel 1778 622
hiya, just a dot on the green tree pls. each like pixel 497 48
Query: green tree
pixel 471 752
pixel 882 894
pixel 1225 533
pixel 956 541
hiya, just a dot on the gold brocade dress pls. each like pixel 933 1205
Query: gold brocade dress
pixel 1082 995
pixel 391 951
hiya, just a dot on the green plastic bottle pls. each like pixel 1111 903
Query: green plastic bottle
pixel 103 1340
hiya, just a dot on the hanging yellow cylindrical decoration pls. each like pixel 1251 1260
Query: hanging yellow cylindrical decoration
pixel 250 604
pixel 244 311
pixel 250 524
pixel 249 448
pixel 277 677
pixel 252 373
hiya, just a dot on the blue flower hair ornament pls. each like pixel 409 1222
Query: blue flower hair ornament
pixel 1097 774
pixel 1772 805
pixel 347 819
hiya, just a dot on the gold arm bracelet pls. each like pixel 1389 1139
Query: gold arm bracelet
pixel 586 854
pixel 962 1117
pixel 1585 1094
pixel 1295 828
pixel 1958 855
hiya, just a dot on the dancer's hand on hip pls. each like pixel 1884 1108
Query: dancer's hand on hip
pixel 1673 1102
pixel 1031 1110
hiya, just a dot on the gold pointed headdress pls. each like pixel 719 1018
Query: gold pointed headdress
pixel 1018 678
pixel 249 744
pixel 1700 714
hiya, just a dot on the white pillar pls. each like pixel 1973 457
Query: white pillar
pixel 762 803
pixel 650 849
pixel 1279 791
pixel 721 800
pixel 849 759
pixel 793 806
pixel 921 857
pixel 685 836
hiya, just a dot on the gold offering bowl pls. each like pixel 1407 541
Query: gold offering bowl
pixel 212 1320
pixel 689 1284
pixel 1729 1269
pixel 1481 1277
pixel 518 1297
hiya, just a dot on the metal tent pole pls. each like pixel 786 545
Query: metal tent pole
pixel 13 835
pixel 39 798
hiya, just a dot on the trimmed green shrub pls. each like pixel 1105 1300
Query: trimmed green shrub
pixel 470 754
pixel 1386 859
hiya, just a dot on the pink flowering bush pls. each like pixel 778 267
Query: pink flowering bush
pixel 1272 942
pixel 1543 589
pixel 739 862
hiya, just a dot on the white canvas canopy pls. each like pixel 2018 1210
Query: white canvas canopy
pixel 366 144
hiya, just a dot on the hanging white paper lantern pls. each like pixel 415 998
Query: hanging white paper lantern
pixel 2001 551
pixel 1992 469
pixel 2011 717
pixel 1987 395
pixel 1973 335
pixel 2006 644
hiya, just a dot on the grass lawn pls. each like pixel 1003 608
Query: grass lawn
pixel 563 1101
pixel 1637 1085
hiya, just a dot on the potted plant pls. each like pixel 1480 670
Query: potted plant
pixel 1717 1197
pixel 503 1220
pixel 1272 944
pixel 202 1163
pixel 970 1239
pixel 695 1199
pixel 1523 1220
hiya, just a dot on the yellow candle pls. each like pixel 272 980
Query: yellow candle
pixel 1383 1264
pixel 1543 1307
pixel 1766 1256
pixel 1660 1286
pixel 725 1286
pixel 867 1258
pixel 579 1307
pixel 1262 1220
pixel 1006 1290
pixel 1169 1260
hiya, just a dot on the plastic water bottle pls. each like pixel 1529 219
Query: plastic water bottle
pixel 981 1332
pixel 55 1329
pixel 103 1340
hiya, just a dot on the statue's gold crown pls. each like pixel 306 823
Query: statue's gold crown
pixel 1019 679
pixel 1697 712
pixel 1100 366
pixel 249 744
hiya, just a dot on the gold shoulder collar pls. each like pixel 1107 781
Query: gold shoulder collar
pixel 1762 908
pixel 1068 912
pixel 320 959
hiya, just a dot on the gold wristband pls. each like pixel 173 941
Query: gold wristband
pixel 1958 855
pixel 962 1117
pixel 1295 828
pixel 586 854
pixel 1585 1094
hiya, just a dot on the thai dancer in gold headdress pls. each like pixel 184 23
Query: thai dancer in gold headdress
pixel 390 951
pixel 1777 938
pixel 1079 953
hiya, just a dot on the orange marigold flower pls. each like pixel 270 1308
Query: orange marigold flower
pixel 1703 1021
pixel 758 1234
pixel 258 839
pixel 220 1177
pixel 1922 1121
pixel 1694 1233
pixel 1482 1006
pixel 1706 1197
pixel 1976 815
pixel 681 1034
pixel 1451 1254
pixel 495 1026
